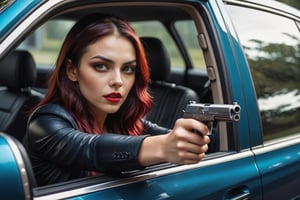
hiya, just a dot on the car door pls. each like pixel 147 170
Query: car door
pixel 228 173
pixel 273 55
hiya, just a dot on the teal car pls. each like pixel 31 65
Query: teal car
pixel 221 51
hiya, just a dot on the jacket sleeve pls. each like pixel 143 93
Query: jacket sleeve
pixel 54 139
pixel 153 129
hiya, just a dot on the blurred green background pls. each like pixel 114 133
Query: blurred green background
pixel 294 3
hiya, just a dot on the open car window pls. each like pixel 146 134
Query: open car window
pixel 44 44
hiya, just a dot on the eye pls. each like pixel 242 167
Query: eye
pixel 100 67
pixel 129 69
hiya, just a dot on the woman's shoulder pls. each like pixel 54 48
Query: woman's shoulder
pixel 52 110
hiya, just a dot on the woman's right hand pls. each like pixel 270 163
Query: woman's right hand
pixel 186 143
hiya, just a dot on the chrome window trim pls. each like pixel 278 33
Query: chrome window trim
pixel 21 165
pixel 263 7
pixel 279 143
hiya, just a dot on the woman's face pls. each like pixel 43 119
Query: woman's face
pixel 106 73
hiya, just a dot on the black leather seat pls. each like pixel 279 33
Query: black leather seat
pixel 17 75
pixel 169 99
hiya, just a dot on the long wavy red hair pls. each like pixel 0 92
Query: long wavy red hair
pixel 127 120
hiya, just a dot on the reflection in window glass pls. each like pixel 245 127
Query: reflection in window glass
pixel 273 54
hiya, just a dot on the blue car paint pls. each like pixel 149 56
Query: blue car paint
pixel 276 163
pixel 10 18
pixel 9 173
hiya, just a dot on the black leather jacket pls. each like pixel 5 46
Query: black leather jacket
pixel 60 152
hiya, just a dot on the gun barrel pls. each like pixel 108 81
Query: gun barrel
pixel 213 112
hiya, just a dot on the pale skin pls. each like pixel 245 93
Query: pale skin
pixel 105 75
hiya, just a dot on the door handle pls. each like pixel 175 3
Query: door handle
pixel 238 193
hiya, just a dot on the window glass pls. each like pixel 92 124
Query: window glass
pixel 44 44
pixel 156 29
pixel 188 34
pixel 273 53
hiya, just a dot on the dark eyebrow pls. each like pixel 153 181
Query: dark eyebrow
pixel 130 62
pixel 110 61
pixel 103 58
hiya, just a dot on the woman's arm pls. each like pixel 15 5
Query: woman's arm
pixel 180 146
pixel 52 139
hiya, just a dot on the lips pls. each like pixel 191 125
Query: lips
pixel 113 97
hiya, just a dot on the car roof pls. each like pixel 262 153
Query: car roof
pixel 134 13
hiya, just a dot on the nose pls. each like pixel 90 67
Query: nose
pixel 116 79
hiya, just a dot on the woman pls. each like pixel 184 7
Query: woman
pixel 90 120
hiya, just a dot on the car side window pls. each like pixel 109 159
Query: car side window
pixel 273 54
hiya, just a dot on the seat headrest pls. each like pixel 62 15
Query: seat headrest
pixel 17 70
pixel 158 58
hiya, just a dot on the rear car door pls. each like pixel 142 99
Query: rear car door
pixel 273 54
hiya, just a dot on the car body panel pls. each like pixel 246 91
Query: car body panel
pixel 10 18
pixel 11 181
pixel 279 166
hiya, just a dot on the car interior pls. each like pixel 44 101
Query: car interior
pixel 169 99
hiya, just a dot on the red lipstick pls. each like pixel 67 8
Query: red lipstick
pixel 113 97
